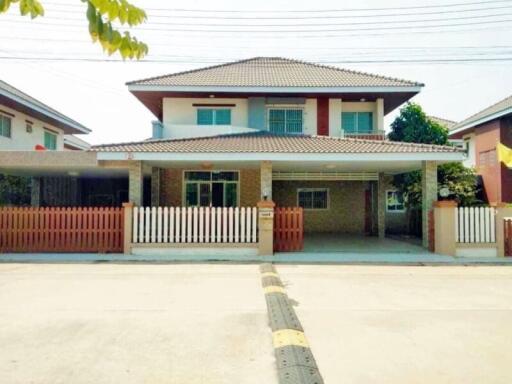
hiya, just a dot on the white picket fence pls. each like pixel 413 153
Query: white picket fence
pixel 476 224
pixel 195 225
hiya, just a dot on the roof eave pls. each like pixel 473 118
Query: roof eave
pixel 250 89
pixel 480 121
pixel 68 125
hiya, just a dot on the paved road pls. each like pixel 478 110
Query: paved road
pixel 406 324
pixel 108 323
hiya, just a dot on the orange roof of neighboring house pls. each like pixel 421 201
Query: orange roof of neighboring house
pixel 274 72
pixel 265 142
pixel 444 122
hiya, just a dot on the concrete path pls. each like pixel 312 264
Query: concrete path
pixel 368 324
pixel 105 323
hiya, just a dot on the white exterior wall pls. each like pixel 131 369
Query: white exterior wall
pixel 470 161
pixel 20 139
pixel 180 117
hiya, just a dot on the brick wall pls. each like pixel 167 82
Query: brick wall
pixel 171 187
pixel 346 213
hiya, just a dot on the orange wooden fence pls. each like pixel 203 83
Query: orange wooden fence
pixel 507 226
pixel 288 229
pixel 54 229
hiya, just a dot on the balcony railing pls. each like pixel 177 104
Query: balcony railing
pixel 374 135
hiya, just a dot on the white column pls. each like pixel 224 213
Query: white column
pixel 380 114
pixel 266 179
pixel 135 184
pixel 428 195
pixel 335 117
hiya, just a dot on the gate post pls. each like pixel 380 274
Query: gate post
pixel 502 211
pixel 444 227
pixel 266 227
pixel 127 227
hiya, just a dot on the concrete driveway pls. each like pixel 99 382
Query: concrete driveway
pixel 406 324
pixel 106 323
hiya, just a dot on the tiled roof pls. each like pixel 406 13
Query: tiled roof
pixel 9 91
pixel 500 106
pixel 274 72
pixel 264 142
pixel 444 122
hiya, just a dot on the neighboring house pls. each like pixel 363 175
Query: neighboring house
pixel 297 133
pixel 74 143
pixel 26 123
pixel 480 134
pixel 444 122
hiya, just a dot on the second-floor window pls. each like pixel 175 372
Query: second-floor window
pixel 212 116
pixel 285 120
pixel 50 140
pixel 5 126
pixel 357 122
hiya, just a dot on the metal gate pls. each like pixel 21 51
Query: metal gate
pixel 73 229
pixel 288 229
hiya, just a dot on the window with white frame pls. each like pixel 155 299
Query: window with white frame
pixel 313 198
pixel 213 116
pixel 394 201
pixel 5 126
pixel 285 120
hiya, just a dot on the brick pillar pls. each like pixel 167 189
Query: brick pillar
pixel 444 227
pixel 266 179
pixel 155 187
pixel 428 195
pixel 128 222
pixel 135 181
pixel 266 227
pixel 381 206
pixel 35 192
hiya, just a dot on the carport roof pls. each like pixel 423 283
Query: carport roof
pixel 265 142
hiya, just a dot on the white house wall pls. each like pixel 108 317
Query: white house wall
pixel 20 139
pixel 179 116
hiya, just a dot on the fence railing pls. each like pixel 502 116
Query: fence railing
pixel 195 225
pixel 475 224
pixel 56 229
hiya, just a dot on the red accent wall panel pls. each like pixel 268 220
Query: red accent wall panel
pixel 506 173
pixel 487 136
pixel 322 113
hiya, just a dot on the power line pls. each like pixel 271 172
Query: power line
pixel 151 16
pixel 409 21
pixel 405 27
pixel 97 60
pixel 310 10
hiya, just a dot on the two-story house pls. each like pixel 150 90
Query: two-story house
pixel 480 134
pixel 299 134
pixel 28 124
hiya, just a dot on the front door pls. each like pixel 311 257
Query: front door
pixel 217 194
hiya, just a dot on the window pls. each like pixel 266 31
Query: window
pixel 313 198
pixel 487 158
pixel 215 189
pixel 28 127
pixel 210 116
pixel 394 201
pixel 357 122
pixel 50 140
pixel 285 120
pixel 5 126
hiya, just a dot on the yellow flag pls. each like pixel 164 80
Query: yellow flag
pixel 504 155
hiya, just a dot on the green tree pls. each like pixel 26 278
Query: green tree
pixel 414 126
pixel 14 190
pixel 101 15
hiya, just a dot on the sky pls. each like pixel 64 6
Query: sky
pixel 460 49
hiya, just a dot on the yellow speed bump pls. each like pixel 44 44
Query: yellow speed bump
pixel 273 289
pixel 286 337
pixel 269 274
